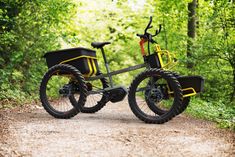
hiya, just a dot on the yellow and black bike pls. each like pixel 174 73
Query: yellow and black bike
pixel 75 84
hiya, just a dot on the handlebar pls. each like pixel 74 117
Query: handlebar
pixel 147 35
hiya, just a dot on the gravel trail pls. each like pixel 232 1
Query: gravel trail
pixel 113 131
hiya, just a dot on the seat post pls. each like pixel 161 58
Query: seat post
pixel 107 67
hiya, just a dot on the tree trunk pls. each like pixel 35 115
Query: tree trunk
pixel 197 18
pixel 191 30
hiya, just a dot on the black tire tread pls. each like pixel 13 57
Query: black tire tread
pixel 163 118
pixel 74 111
pixel 100 104
pixel 185 101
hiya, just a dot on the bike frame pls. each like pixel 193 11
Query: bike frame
pixel 110 74
pixel 158 52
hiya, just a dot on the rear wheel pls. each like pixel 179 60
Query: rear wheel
pixel 57 88
pixel 96 98
pixel 141 90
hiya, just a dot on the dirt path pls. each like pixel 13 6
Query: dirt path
pixel 114 131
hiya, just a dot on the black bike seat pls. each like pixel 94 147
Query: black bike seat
pixel 99 44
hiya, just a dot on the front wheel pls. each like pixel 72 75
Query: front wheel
pixel 165 91
pixel 161 109
pixel 58 86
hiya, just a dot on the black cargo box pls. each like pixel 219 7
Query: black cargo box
pixel 189 82
pixel 190 85
pixel 81 58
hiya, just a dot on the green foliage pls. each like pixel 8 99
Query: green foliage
pixel 214 111
pixel 214 50
pixel 28 29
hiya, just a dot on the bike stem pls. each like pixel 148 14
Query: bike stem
pixel 107 67
pixel 142 41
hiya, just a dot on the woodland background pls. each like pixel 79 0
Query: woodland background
pixel 200 32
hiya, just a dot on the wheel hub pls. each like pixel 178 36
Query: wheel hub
pixel 66 90
pixel 155 95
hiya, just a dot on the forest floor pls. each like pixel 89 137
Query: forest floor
pixel 113 131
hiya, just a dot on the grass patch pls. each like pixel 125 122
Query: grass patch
pixel 222 114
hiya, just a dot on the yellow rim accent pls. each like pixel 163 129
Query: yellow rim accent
pixel 94 67
pixel 186 89
pixel 83 56
pixel 190 94
pixel 88 62
pixel 90 67
pixel 160 59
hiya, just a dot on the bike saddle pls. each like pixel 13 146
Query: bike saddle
pixel 99 44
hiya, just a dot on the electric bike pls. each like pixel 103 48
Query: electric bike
pixel 74 83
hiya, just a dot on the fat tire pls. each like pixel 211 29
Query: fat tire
pixel 100 104
pixel 83 90
pixel 186 100
pixel 175 109
pixel 159 111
